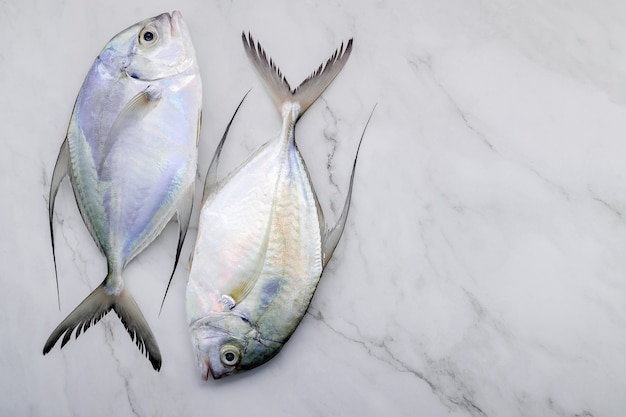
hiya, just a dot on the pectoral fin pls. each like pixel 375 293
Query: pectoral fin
pixel 244 282
pixel 242 288
pixel 61 169
pixel 330 239
pixel 136 109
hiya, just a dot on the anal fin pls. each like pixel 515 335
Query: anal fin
pixel 61 169
pixel 330 239
pixel 184 216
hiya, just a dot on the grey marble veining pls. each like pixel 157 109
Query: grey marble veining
pixel 482 270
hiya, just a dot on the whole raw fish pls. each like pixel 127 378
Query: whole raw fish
pixel 262 241
pixel 131 155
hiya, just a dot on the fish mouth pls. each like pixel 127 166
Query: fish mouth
pixel 209 371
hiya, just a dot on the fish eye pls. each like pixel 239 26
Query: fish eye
pixel 229 355
pixel 148 35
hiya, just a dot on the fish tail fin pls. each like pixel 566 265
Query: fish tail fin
pixel 138 329
pixel 278 87
pixel 97 305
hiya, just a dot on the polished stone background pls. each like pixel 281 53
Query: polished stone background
pixel 483 267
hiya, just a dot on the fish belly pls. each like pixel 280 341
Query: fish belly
pixel 293 265
pixel 232 234
pixel 128 181
pixel 259 243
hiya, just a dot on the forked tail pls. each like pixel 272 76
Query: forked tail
pixel 97 305
pixel 309 90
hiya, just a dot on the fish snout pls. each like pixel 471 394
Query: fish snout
pixel 206 370
pixel 177 23
pixel 163 20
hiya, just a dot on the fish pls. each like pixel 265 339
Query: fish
pixel 130 153
pixel 262 241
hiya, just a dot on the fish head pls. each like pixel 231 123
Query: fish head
pixel 217 353
pixel 229 344
pixel 152 49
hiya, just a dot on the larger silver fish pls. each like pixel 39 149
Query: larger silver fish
pixel 131 155
pixel 262 241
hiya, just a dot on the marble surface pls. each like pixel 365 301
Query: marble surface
pixel 482 271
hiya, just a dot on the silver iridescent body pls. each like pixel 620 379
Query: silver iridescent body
pixel 262 242
pixel 131 155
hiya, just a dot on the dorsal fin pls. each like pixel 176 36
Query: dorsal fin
pixel 210 181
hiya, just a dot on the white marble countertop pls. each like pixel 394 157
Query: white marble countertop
pixel 482 271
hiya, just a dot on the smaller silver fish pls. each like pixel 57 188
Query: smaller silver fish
pixel 262 239
pixel 131 155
